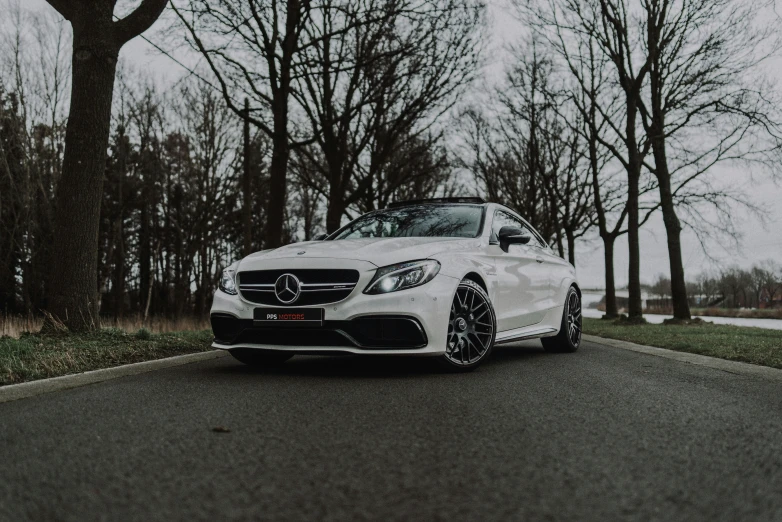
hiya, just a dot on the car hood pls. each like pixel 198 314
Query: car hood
pixel 378 251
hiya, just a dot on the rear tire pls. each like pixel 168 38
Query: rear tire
pixel 260 358
pixel 569 337
pixel 472 327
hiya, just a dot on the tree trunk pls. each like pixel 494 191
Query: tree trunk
pixel 74 284
pixel 612 311
pixel 247 184
pixel 336 204
pixel 150 285
pixel 635 307
pixel 181 276
pixel 571 247
pixel 145 248
pixel 609 239
pixel 560 244
pixel 280 146
pixel 119 274
pixel 673 229
pixel 278 173
pixel 335 209
pixel 118 286
pixel 201 301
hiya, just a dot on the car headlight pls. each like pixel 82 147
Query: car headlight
pixel 227 283
pixel 402 276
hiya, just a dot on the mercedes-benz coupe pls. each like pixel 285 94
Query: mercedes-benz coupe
pixel 447 278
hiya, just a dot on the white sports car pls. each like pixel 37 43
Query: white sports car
pixel 448 278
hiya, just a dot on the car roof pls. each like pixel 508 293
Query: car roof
pixel 436 201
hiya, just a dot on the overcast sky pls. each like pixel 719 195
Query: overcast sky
pixel 759 242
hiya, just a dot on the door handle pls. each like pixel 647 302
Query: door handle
pixel 539 259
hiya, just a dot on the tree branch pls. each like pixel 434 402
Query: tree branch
pixel 64 7
pixel 138 21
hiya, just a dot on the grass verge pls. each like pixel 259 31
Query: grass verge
pixel 38 356
pixel 734 343
pixel 749 313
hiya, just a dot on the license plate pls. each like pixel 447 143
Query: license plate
pixel 288 316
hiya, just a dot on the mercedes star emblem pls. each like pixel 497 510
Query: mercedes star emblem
pixel 287 288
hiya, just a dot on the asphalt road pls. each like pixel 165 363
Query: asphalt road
pixel 603 434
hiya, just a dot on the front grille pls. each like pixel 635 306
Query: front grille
pixel 368 332
pixel 318 286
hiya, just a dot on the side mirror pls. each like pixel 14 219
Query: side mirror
pixel 512 236
pixel 319 237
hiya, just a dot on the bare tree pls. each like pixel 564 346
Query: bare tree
pixel 691 99
pixel 252 48
pixel 97 40
pixel 591 88
pixel 209 129
pixel 495 154
pixel 34 82
pixel 606 24
pixel 734 283
pixel 305 211
pixel 599 104
pixel 703 57
pixel 709 289
pixel 378 75
pixel 419 168
pixel 531 156
pixel 765 282
pixel 661 287
pixel 568 187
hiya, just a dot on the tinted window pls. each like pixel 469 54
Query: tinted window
pixel 418 221
pixel 503 219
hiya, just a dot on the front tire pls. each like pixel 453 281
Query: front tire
pixel 472 327
pixel 260 358
pixel 569 337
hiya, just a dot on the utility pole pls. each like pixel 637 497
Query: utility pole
pixel 247 185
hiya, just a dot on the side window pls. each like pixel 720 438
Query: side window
pixel 537 240
pixel 538 237
pixel 503 219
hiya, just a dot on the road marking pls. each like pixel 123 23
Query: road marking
pixel 734 367
pixel 13 392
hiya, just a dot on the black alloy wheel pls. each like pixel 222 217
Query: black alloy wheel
pixel 569 337
pixel 471 328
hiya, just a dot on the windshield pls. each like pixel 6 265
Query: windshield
pixel 417 221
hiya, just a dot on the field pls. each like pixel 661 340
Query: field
pixel 748 313
pixel 38 356
pixel 735 343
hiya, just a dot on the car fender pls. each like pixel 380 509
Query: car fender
pixel 562 283
pixel 460 265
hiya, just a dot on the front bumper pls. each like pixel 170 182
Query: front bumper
pixel 362 324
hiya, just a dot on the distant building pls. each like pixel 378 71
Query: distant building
pixel 696 301
pixel 623 300
pixel 767 301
